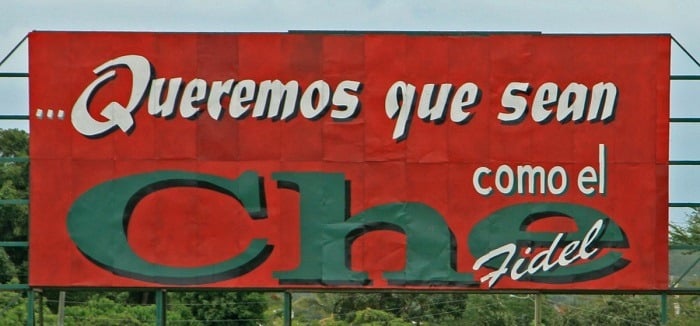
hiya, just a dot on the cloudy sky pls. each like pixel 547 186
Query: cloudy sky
pixel 680 18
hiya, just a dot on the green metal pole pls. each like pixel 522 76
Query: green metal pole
pixel 287 309
pixel 26 36
pixel 161 298
pixel 675 284
pixel 664 309
pixel 14 117
pixel 30 307
pixel 679 45
pixel 41 307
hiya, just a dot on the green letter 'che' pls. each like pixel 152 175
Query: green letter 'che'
pixel 327 236
pixel 99 219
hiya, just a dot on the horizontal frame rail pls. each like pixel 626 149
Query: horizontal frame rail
pixel 21 244
pixel 688 205
pixel 690 120
pixel 684 162
pixel 14 287
pixel 14 117
pixel 14 201
pixel 685 77
pixel 14 159
pixel 14 74
pixel 683 247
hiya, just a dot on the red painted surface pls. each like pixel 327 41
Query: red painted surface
pixel 433 165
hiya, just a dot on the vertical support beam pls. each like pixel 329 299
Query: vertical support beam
pixel 41 307
pixel 61 307
pixel 30 307
pixel 287 309
pixel 538 309
pixel 161 304
pixel 664 309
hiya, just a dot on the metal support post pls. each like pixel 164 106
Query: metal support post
pixel 41 307
pixel 664 309
pixel 287 309
pixel 30 307
pixel 161 304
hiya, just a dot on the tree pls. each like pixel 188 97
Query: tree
pixel 226 308
pixel 310 308
pixel 13 309
pixel 614 310
pixel 14 184
pixel 8 271
pixel 486 309
pixel 503 309
pixel 688 233
pixel 102 310
pixel 410 307
pixel 370 316
pixel 685 309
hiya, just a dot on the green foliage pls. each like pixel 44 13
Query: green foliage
pixel 8 271
pixel 13 143
pixel 14 179
pixel 310 308
pixel 13 227
pixel 410 307
pixel 13 308
pixel 503 309
pixel 688 233
pixel 683 310
pixel 370 316
pixel 489 310
pixel 101 310
pixel 221 308
pixel 614 310
pixel 436 308
pixel 13 218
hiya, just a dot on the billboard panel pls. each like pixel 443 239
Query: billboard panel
pixel 365 161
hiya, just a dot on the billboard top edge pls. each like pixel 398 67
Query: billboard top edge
pixel 367 32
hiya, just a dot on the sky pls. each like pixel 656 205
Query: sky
pixel 680 18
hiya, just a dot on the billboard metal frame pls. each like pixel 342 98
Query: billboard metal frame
pixel 161 295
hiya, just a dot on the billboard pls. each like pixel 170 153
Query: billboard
pixel 376 161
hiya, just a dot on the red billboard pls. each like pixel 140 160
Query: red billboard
pixel 376 161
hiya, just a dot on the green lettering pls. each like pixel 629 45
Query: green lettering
pixel 99 219
pixel 327 236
